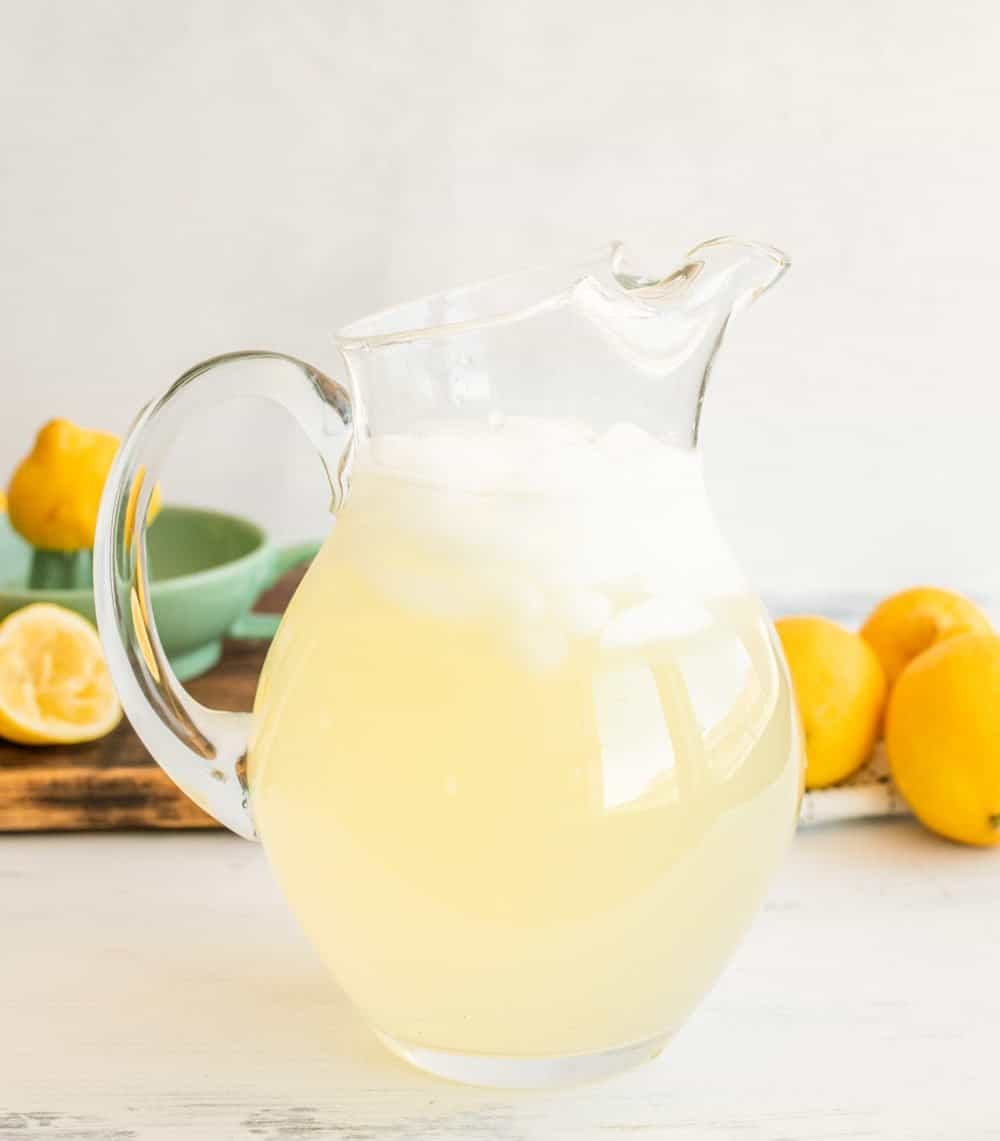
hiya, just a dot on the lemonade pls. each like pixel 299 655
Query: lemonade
pixel 524 755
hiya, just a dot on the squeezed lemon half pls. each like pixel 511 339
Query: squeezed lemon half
pixel 55 687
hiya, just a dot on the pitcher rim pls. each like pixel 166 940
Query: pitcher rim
pixel 348 338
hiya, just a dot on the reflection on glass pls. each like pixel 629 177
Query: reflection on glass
pixel 636 750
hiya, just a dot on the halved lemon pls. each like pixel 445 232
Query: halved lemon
pixel 55 687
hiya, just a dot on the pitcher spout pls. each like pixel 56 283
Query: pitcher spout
pixel 739 270
pixel 726 273
pixel 671 326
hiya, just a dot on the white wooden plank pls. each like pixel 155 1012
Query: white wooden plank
pixel 155 986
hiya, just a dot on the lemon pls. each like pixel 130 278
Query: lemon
pixel 942 734
pixel 54 684
pixel 906 624
pixel 55 493
pixel 840 690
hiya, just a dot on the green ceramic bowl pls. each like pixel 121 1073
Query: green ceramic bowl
pixel 207 571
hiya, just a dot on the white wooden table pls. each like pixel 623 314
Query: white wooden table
pixel 155 986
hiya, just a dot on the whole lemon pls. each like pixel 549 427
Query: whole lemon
pixel 55 493
pixel 906 624
pixel 942 734
pixel 840 689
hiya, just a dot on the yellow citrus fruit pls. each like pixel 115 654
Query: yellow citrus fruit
pixel 942 734
pixel 906 624
pixel 55 493
pixel 54 684
pixel 840 690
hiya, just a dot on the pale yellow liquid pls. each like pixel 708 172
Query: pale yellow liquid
pixel 523 787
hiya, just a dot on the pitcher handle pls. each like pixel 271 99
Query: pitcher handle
pixel 202 750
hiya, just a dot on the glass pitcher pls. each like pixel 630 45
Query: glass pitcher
pixel 523 753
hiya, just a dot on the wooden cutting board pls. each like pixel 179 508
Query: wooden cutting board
pixel 114 783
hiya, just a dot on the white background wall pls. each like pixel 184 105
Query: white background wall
pixel 180 178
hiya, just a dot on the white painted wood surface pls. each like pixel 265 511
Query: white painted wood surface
pixel 155 986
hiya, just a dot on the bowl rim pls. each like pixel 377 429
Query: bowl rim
pixel 261 548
